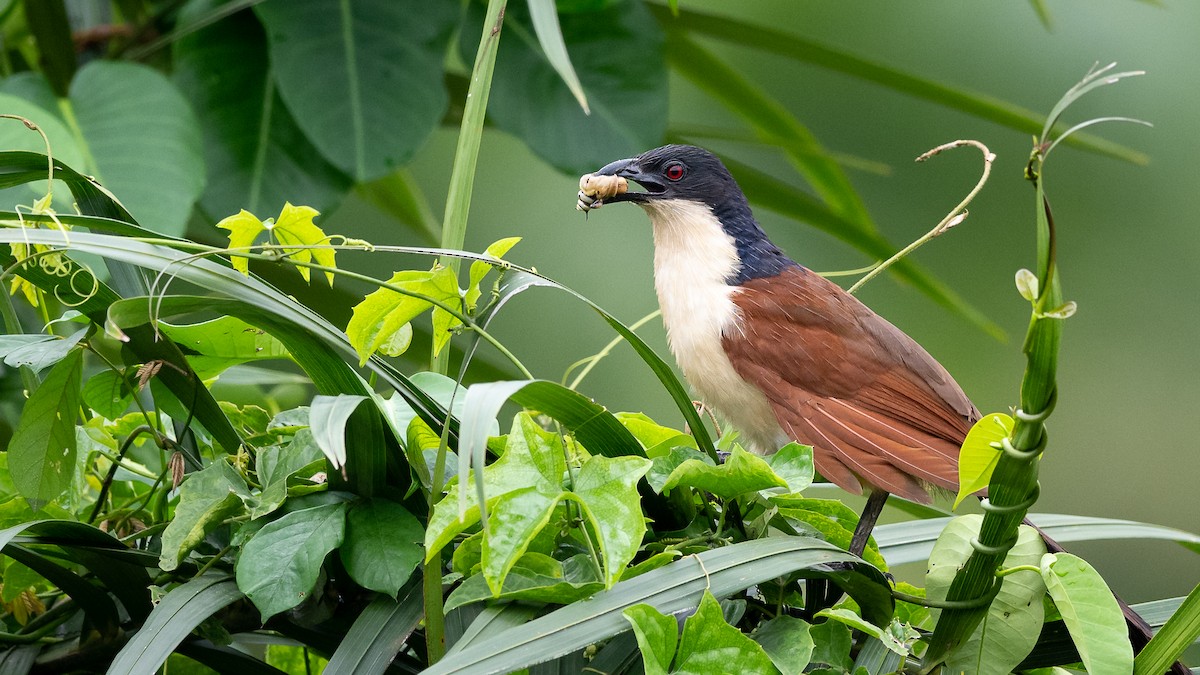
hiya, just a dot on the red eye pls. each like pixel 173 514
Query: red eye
pixel 675 171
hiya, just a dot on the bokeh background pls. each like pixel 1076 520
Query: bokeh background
pixel 1124 441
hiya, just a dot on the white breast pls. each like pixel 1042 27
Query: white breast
pixel 693 257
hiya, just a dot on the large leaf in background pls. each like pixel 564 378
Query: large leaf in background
pixel 628 105
pixel 302 539
pixel 143 141
pixel 256 156
pixel 363 79
pixel 15 136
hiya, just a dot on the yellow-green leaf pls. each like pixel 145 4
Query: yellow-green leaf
pixel 383 313
pixel 479 269
pixel 244 227
pixel 295 227
pixel 980 453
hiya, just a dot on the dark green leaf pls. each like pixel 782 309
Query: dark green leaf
pixel 378 634
pixel 47 20
pixel 303 538
pixel 257 158
pixel 628 105
pixel 143 139
pixel 787 641
pixel 173 619
pixel 206 499
pixel 108 393
pixel 42 449
pixel 831 645
pixel 382 545
pixel 709 645
pixel 363 79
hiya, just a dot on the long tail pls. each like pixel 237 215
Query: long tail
pixel 1140 632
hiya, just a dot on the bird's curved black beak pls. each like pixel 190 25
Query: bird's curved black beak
pixel 631 170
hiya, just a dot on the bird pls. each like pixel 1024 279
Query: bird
pixel 784 354
pixel 779 351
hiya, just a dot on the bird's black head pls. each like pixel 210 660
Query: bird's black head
pixel 687 173
pixel 676 172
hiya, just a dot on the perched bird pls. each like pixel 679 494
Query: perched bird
pixel 780 352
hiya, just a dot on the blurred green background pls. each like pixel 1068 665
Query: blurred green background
pixel 1123 438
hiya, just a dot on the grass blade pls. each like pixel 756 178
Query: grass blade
pixel 544 14
pixel 1176 635
pixel 379 633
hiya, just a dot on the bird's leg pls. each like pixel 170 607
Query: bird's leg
pixel 866 522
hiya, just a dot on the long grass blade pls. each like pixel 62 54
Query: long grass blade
pixel 544 14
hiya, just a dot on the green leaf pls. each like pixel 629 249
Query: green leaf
pixel 741 473
pixel 303 538
pixel 384 312
pixel 787 641
pixel 479 269
pixel 51 28
pixel 663 467
pixel 834 520
pixel 671 589
pixel 173 619
pixel 378 633
pixel 657 636
pixel 294 230
pixel 980 453
pixel 831 645
pixel 607 488
pixel 794 464
pixel 856 622
pixel 42 449
pixel 1177 634
pixel 1091 613
pixel 516 518
pixel 256 156
pixel 655 438
pixel 276 464
pixel 382 546
pixel 1014 620
pixel 222 343
pixel 530 100
pixel 544 16
pixel 108 394
pixel 562 587
pixel 15 136
pixel 709 645
pixel 40 351
pixel 327 417
pixel 206 499
pixel 142 140
pixel 363 79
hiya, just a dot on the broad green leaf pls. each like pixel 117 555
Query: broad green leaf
pixel 794 464
pixel 1010 630
pixel 142 138
pixel 655 438
pixel 327 417
pixel 108 394
pixel 255 155
pixel 709 645
pixel 303 538
pixel 382 546
pixel 206 499
pixel 561 587
pixel 787 641
pixel 223 342
pixel 479 269
pixel 384 312
pixel 831 645
pixel 364 80
pixel 980 453
pixel 530 100
pixel 834 520
pixel 16 136
pixel 516 518
pixel 607 488
pixel 1011 627
pixel 1091 613
pixel 856 622
pixel 532 459
pixel 276 464
pixel 41 354
pixel 662 467
pixel 741 473
pixel 657 636
pixel 42 449
pixel 174 617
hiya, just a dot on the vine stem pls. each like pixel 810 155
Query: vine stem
pixel 956 215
